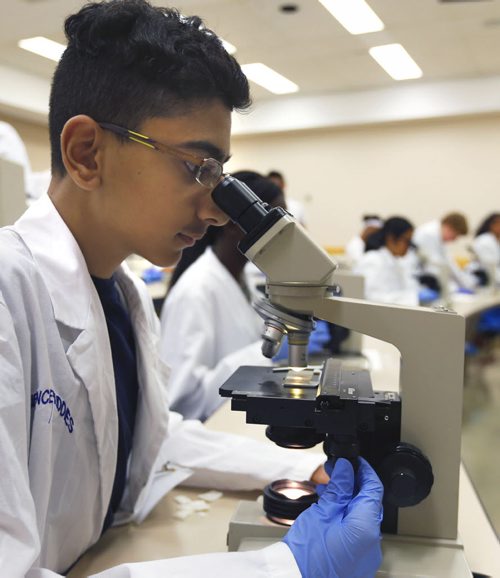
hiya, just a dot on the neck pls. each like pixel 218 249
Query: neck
pixel 78 209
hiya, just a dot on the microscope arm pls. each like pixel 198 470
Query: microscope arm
pixel 431 343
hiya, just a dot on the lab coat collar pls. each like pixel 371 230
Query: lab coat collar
pixel 153 377
pixel 387 255
pixel 60 261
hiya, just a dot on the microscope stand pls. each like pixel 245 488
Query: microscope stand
pixel 403 556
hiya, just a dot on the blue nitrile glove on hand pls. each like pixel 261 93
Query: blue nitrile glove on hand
pixel 427 295
pixel 152 274
pixel 339 537
pixel 319 337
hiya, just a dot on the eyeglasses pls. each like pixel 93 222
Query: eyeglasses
pixel 207 172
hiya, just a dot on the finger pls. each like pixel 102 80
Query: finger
pixel 370 494
pixel 368 481
pixel 320 488
pixel 339 490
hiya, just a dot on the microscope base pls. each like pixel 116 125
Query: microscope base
pixel 403 556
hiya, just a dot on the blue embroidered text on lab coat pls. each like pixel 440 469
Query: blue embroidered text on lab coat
pixel 49 396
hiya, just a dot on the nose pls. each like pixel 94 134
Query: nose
pixel 210 213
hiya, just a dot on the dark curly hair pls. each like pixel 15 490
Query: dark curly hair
pixel 127 61
pixel 394 226
pixel 485 226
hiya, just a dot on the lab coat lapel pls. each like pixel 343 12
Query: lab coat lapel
pixel 153 376
pixel 78 312
pixel 91 360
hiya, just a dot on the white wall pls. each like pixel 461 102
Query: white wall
pixel 419 169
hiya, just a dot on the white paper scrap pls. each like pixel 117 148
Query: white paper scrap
pixel 182 514
pixel 199 506
pixel 211 496
pixel 182 500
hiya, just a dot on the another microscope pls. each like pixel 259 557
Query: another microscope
pixel 411 439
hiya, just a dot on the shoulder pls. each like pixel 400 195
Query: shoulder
pixel 485 239
pixel 372 257
pixel 205 276
pixel 22 288
pixel 16 259
pixel 427 228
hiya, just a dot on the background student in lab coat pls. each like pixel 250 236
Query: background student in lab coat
pixel 84 428
pixel 208 325
pixel 387 278
pixel 486 246
pixel 431 241
pixel 355 247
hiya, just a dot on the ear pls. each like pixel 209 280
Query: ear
pixel 81 141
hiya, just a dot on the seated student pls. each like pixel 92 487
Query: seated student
pixel 387 278
pixel 85 431
pixel 486 247
pixel 355 248
pixel 208 325
pixel 431 239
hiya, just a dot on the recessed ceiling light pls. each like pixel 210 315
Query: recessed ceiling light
pixel 269 78
pixel 43 47
pixel 354 15
pixel 289 8
pixel 396 61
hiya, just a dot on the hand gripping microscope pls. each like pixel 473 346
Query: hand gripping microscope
pixel 412 439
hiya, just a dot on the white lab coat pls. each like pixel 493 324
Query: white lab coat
pixel 432 251
pixel 208 329
pixel 58 419
pixel 387 278
pixel 355 249
pixel 487 250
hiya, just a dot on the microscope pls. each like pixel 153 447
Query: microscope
pixel 411 438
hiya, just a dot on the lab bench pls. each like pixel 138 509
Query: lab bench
pixel 162 535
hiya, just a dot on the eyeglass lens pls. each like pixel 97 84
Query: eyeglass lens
pixel 209 173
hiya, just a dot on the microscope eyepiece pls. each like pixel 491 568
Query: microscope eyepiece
pixel 239 202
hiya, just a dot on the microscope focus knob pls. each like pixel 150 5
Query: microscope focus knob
pixel 407 476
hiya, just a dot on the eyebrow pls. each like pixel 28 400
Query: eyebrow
pixel 212 151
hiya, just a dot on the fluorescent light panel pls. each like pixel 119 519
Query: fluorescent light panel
pixel 354 15
pixel 43 47
pixel 269 78
pixel 394 59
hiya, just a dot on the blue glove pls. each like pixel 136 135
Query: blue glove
pixel 339 537
pixel 319 337
pixel 152 274
pixel 427 295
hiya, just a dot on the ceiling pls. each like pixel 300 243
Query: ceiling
pixel 448 40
